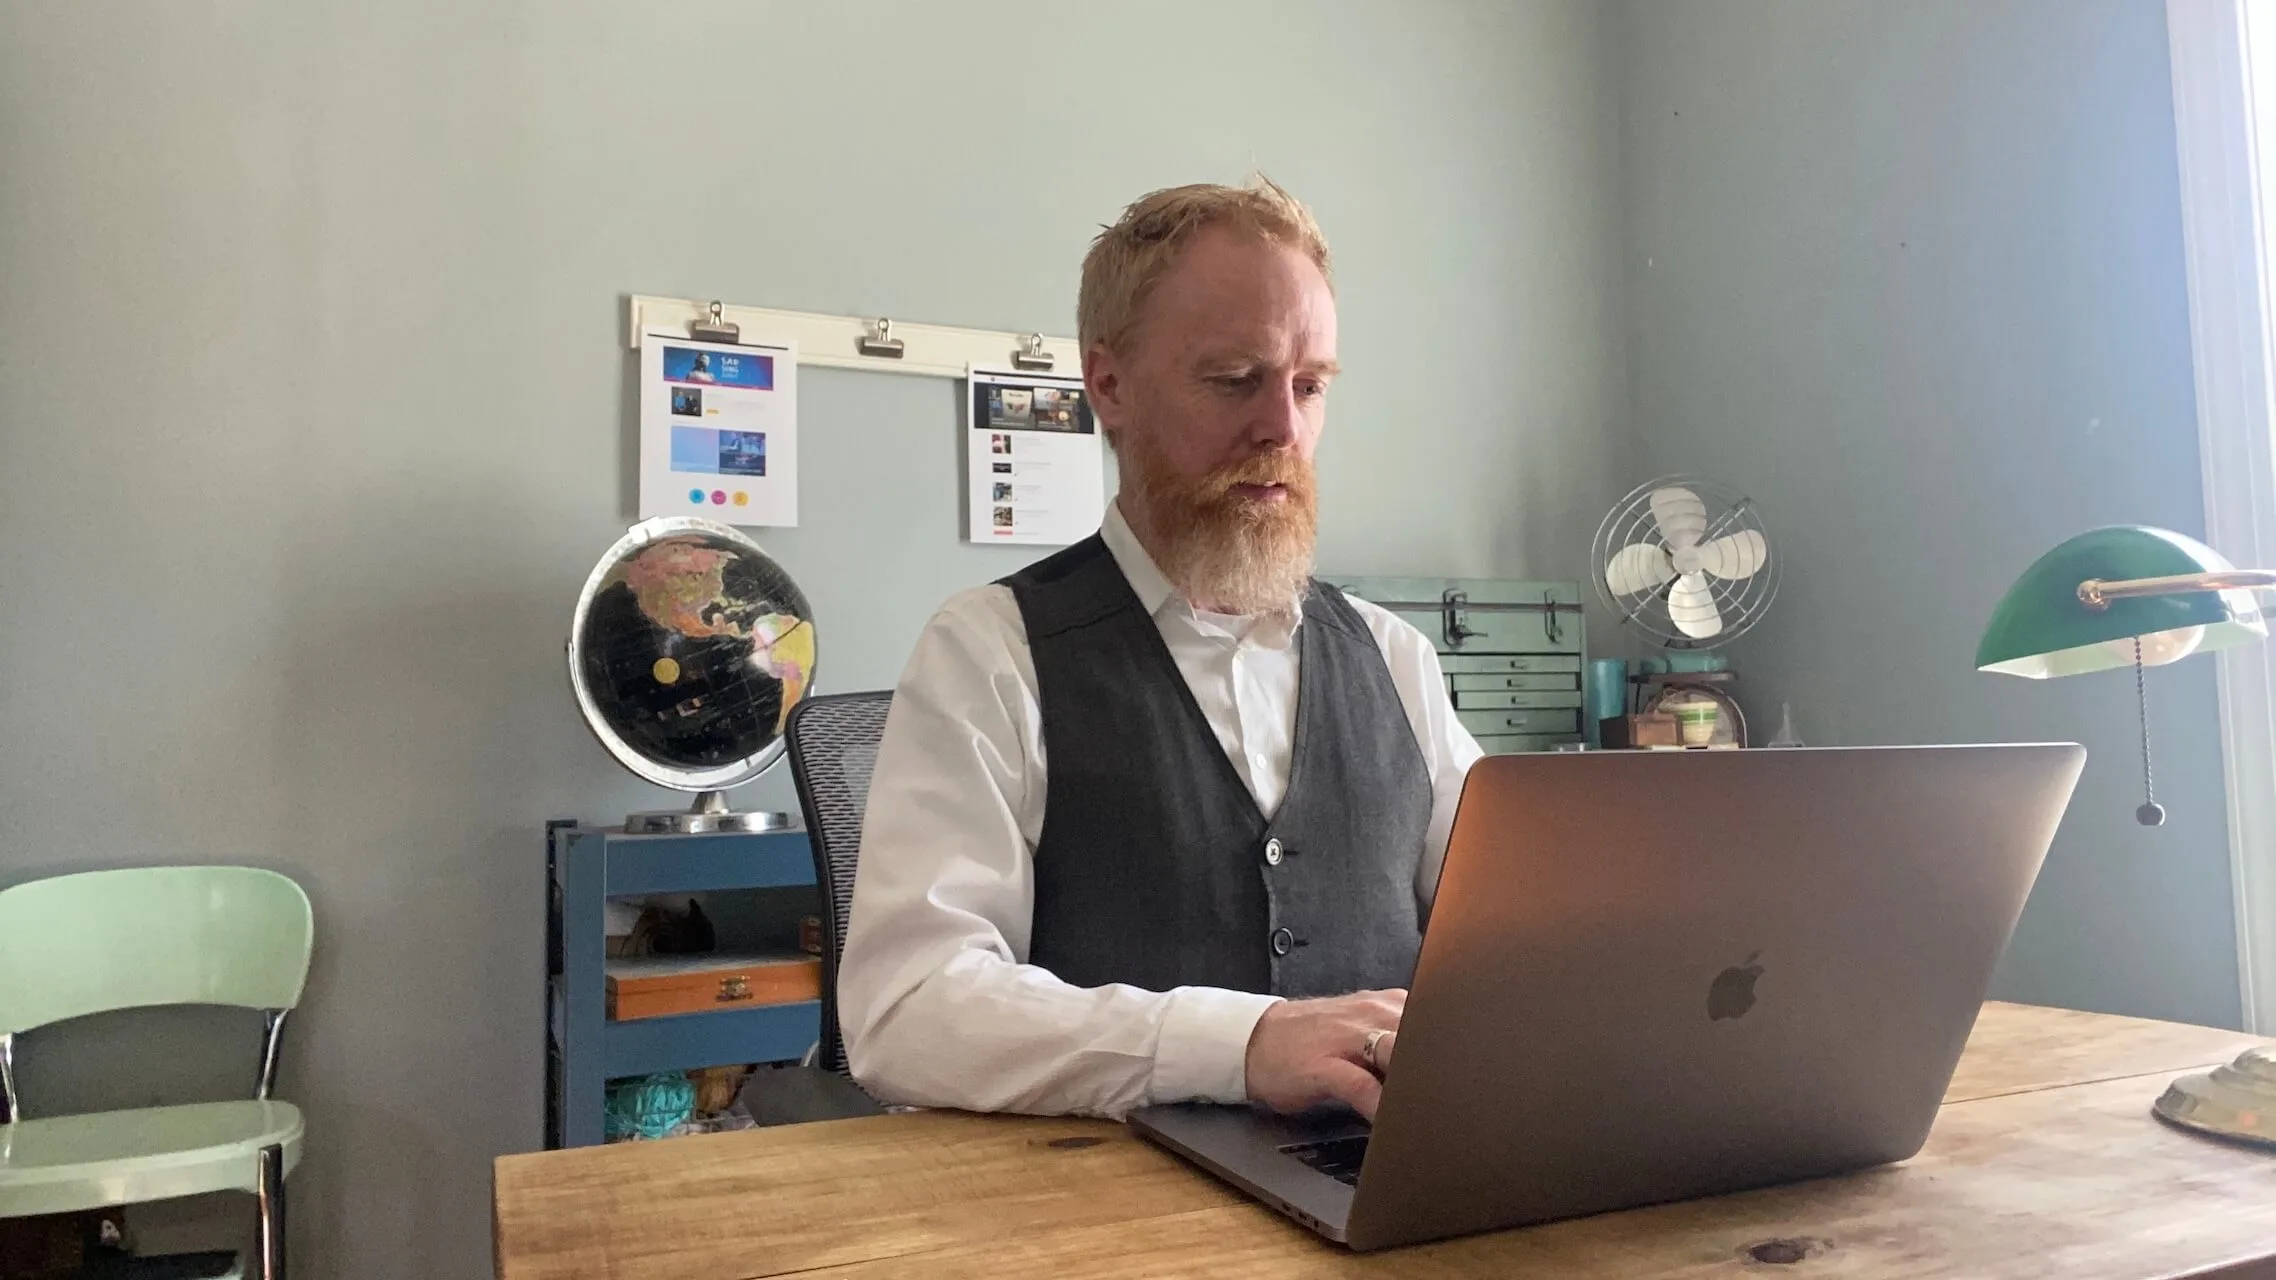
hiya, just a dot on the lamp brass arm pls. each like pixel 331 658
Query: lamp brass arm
pixel 2097 594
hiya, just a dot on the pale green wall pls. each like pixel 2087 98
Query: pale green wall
pixel 1912 275
pixel 312 417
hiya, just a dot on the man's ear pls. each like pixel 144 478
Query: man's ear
pixel 1102 377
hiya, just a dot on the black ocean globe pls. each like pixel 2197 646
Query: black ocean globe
pixel 688 650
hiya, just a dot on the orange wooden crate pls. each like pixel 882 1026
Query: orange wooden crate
pixel 655 986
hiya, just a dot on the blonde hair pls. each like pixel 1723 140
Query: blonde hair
pixel 1128 259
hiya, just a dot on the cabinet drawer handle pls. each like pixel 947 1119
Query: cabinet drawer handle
pixel 734 988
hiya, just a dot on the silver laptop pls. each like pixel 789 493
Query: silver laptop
pixel 1651 976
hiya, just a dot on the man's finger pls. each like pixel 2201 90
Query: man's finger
pixel 1352 1085
pixel 1383 1049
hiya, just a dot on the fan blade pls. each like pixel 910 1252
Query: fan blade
pixel 1735 555
pixel 1691 607
pixel 1637 568
pixel 1681 515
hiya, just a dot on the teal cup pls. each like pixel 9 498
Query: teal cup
pixel 1607 689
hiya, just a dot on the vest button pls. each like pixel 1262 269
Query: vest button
pixel 1282 942
pixel 1272 853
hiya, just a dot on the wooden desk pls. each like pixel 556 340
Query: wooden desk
pixel 2045 1162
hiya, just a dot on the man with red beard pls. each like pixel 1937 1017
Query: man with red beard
pixel 1112 856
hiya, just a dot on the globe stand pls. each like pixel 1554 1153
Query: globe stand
pixel 707 815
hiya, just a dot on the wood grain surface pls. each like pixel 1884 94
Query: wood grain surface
pixel 2045 1161
pixel 2017 1048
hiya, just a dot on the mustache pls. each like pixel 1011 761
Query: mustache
pixel 1284 469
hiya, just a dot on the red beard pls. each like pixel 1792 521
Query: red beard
pixel 1226 552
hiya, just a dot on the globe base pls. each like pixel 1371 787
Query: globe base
pixel 708 815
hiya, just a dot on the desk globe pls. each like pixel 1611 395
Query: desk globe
pixel 687 652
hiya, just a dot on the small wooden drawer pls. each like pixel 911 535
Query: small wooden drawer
pixel 1466 664
pixel 1511 699
pixel 1505 744
pixel 1525 721
pixel 1543 682
pixel 656 986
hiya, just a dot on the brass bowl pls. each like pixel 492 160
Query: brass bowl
pixel 2237 1101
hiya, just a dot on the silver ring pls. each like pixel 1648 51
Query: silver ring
pixel 1367 1050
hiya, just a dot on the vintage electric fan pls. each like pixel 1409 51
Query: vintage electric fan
pixel 1686 565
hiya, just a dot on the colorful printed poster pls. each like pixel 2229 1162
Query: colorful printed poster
pixel 1035 463
pixel 718 429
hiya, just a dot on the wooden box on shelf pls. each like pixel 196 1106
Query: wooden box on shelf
pixel 1648 729
pixel 655 986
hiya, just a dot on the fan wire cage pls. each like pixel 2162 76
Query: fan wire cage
pixel 1686 562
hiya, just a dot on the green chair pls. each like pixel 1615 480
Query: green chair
pixel 100 941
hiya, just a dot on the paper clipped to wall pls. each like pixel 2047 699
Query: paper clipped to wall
pixel 1035 463
pixel 719 429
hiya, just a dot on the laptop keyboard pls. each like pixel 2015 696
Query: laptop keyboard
pixel 1339 1158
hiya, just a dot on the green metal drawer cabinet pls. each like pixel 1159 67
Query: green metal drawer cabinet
pixel 1512 652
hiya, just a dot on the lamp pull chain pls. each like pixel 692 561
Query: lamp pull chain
pixel 2151 814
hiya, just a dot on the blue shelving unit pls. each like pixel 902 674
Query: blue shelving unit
pixel 585 867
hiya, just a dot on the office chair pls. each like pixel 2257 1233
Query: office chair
pixel 100 941
pixel 833 748
pixel 832 743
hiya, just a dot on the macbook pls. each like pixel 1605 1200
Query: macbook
pixel 1649 976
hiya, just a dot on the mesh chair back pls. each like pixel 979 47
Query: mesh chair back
pixel 833 748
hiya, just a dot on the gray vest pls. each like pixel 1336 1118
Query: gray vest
pixel 1155 867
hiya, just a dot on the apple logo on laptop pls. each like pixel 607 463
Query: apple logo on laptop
pixel 1733 991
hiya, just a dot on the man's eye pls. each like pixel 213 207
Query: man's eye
pixel 1310 390
pixel 1235 381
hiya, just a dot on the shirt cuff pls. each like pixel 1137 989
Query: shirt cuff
pixel 1203 1050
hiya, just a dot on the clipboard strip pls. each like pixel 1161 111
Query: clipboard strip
pixel 878 343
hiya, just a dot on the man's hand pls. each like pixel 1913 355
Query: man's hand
pixel 1306 1052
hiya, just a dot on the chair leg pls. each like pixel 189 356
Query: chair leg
pixel 272 1196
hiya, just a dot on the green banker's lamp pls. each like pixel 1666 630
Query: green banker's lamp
pixel 2133 596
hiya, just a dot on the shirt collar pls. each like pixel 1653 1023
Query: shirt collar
pixel 1146 578
pixel 1154 590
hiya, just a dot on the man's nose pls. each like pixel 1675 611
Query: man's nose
pixel 1278 419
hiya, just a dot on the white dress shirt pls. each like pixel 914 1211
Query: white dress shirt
pixel 936 1001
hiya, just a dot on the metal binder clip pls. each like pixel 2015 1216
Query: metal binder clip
pixel 881 342
pixel 1031 354
pixel 716 329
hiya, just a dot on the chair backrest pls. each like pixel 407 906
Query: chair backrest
pixel 833 748
pixel 97 941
